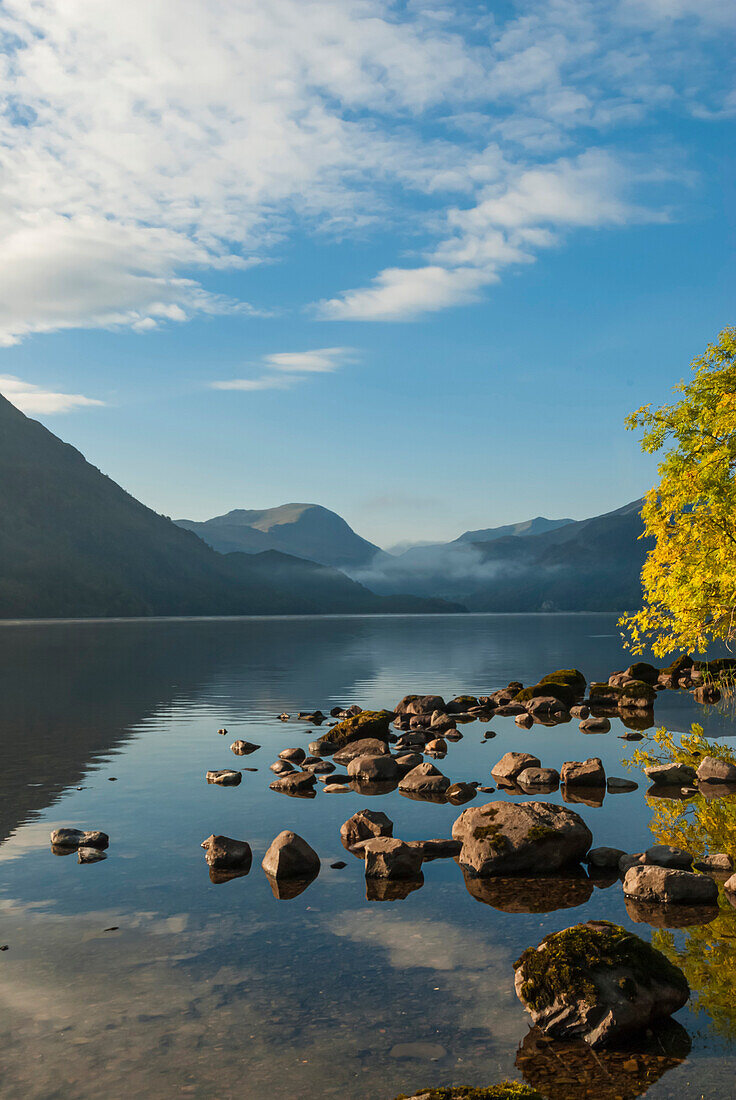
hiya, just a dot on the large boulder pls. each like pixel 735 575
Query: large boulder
pixel 713 770
pixel 503 838
pixel 374 768
pixel 649 882
pixel 643 672
pixel 387 857
pixel 597 982
pixel 424 779
pixel 369 723
pixel 367 746
pixel 637 693
pixel 225 854
pixel 583 773
pixel 365 825
pixel 512 764
pixel 289 856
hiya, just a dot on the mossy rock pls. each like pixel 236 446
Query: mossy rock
pixel 571 676
pixel 680 664
pixel 642 670
pixel 603 691
pixel 369 723
pixel 637 689
pixel 563 692
pixel 462 702
pixel 722 668
pixel 565 970
pixel 504 1090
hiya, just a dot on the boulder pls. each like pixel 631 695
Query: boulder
pixel 538 777
pixel 595 725
pixel 90 855
pixel 583 773
pixel 670 775
pixel 604 858
pixel 365 825
pixel 437 849
pixel 226 854
pixel 637 693
pixel 664 884
pixel 293 756
pixel 318 767
pixel 420 704
pixel 407 761
pixel 294 783
pixel 524 721
pixel 520 838
pixel 243 748
pixel 282 767
pixel 424 779
pixel 597 982
pixel 225 777
pixel 369 723
pixel 512 764
pixel 458 793
pixel 438 745
pixel 643 672
pixel 373 768
pixel 718 863
pixel 76 838
pixel 453 735
pixel 713 770
pixel 387 857
pixel 289 856
pixel 367 746
pixel 664 855
pixel 546 706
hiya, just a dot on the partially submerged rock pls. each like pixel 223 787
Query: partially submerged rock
pixel 604 858
pixel 424 779
pixel 583 773
pixel 374 768
pixel 367 746
pixel 77 838
pixel 649 882
pixel 670 775
pixel 293 755
pixel 225 777
pixel 512 764
pixel 225 854
pixel 520 838
pixel 289 856
pixel 597 982
pixel 369 723
pixel 591 724
pixel 294 783
pixel 387 857
pixel 713 770
pixel 365 825
pixel 243 748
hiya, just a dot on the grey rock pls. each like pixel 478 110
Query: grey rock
pixel 664 855
pixel 458 793
pixel 583 773
pixel 579 711
pixel 538 777
pixel 595 725
pixel 365 825
pixel 387 857
pixel 293 756
pixel 294 783
pixel 76 838
pixel 713 770
pixel 437 849
pixel 282 767
pixel 718 863
pixel 525 721
pixel 512 763
pixel 424 779
pixel 224 853
pixel 671 775
pixel 367 746
pixel 615 784
pixel 407 761
pixel 438 746
pixel 605 858
pixel 669 886
pixel 523 837
pixel 373 768
pixel 289 856
pixel 225 777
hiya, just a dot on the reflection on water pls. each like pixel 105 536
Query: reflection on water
pixel 147 975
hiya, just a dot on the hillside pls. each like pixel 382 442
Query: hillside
pixel 74 544
pixel 537 526
pixel 306 530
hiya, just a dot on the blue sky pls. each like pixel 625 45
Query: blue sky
pixel 414 261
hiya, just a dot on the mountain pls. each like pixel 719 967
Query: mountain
pixel 74 544
pixel 537 526
pixel 306 530
pixel 583 565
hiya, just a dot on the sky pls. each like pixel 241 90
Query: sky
pixel 415 261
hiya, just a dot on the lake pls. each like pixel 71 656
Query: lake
pixel 139 976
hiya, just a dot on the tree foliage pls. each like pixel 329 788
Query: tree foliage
pixel 689 576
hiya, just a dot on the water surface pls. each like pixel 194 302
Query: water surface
pixel 138 976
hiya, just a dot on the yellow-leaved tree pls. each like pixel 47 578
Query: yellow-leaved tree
pixel 689 576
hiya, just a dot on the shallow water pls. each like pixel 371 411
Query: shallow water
pixel 138 976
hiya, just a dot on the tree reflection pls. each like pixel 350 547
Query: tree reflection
pixel 703 825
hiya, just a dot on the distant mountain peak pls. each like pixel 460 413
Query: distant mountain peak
pixel 537 526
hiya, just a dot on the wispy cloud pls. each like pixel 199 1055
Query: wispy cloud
pixel 291 367
pixel 34 399
pixel 143 150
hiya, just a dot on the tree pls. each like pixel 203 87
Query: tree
pixel 689 576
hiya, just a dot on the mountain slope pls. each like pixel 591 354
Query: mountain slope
pixel 537 526
pixel 307 530
pixel 74 544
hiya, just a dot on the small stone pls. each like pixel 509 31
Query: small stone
pixel 719 863
pixel 75 838
pixel 438 746
pixel 525 721
pixel 367 746
pixel 595 725
pixel 338 865
pixel 538 777
pixel 664 855
pixel 424 779
pixel 615 784
pixel 223 732
pixel 243 748
pixel 373 768
pixel 335 788
pixel 225 777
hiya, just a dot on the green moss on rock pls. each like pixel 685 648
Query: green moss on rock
pixel 541 832
pixel 565 964
pixel 637 689
pixel 571 676
pixel 504 1090
pixel 369 723
pixel 563 692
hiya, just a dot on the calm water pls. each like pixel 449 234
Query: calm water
pixel 224 991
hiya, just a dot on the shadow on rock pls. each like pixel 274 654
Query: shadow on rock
pixel 538 894
pixel 572 1071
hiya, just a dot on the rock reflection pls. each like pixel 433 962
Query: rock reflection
pixel 669 916
pixel 288 888
pixel 540 894
pixel 219 876
pixel 385 889
pixel 586 796
pixel 572 1071
pixel 375 788
pixel 428 796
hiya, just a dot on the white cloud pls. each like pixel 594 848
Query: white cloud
pixel 149 143
pixel 291 367
pixel 33 399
